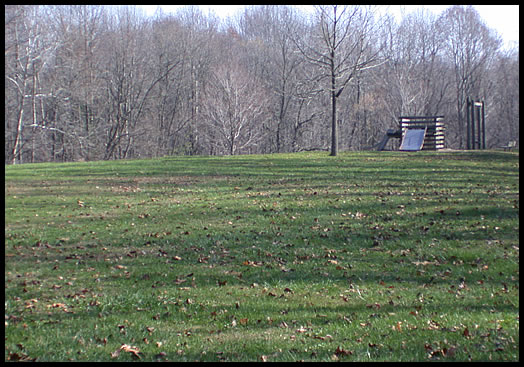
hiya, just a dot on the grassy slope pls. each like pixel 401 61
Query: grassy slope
pixel 364 256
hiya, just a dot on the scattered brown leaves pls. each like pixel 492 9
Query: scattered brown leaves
pixel 134 351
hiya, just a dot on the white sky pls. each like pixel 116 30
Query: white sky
pixel 502 18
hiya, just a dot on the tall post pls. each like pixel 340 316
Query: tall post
pixel 472 111
pixel 479 131
pixel 483 127
pixel 468 132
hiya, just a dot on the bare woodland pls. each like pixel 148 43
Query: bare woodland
pixel 86 82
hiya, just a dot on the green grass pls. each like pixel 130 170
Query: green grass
pixel 368 256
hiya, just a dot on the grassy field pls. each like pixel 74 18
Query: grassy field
pixel 368 256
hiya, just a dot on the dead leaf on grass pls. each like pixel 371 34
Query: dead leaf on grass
pixel 342 352
pixel 135 352
pixel 20 357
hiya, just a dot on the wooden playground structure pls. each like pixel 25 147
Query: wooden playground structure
pixel 428 132
pixel 475 125
pixel 418 133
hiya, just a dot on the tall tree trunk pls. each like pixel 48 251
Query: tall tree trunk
pixel 334 127
pixel 17 154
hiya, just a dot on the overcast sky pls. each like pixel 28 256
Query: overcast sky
pixel 503 18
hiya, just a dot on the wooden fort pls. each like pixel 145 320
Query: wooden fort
pixel 435 129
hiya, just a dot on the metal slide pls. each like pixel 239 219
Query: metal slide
pixel 413 139
pixel 390 134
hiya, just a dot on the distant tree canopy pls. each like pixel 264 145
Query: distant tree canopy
pixel 87 82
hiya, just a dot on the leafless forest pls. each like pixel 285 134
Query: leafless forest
pixel 86 82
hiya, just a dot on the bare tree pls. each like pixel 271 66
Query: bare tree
pixel 234 110
pixel 130 80
pixel 27 53
pixel 503 105
pixel 265 30
pixel 341 47
pixel 413 73
pixel 167 112
pixel 198 42
pixel 470 47
pixel 74 106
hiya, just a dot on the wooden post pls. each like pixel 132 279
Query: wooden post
pixel 468 135
pixel 478 108
pixel 483 127
pixel 475 124
pixel 472 111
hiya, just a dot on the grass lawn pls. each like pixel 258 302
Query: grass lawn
pixel 367 256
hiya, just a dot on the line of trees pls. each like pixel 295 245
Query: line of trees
pixel 87 82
